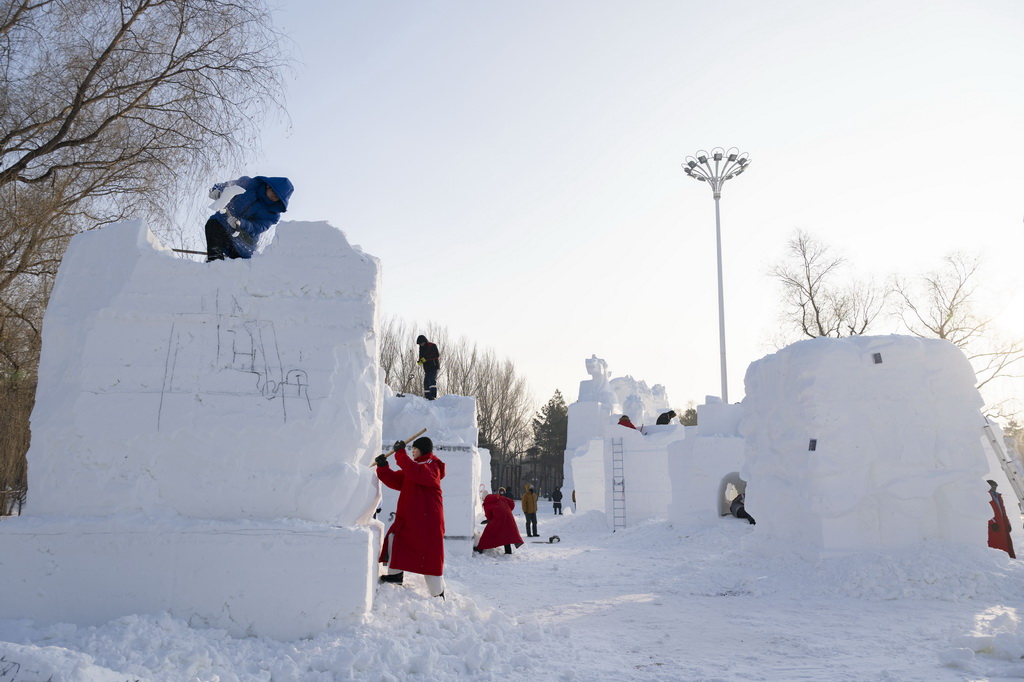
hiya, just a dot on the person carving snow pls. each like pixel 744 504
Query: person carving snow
pixel 256 204
pixel 415 540
pixel 501 525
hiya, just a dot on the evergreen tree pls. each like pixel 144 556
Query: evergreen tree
pixel 550 430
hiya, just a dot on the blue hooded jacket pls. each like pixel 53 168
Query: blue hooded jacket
pixel 254 209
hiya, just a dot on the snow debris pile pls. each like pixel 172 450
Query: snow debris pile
pixel 201 436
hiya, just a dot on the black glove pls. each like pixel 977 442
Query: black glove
pixel 399 445
pixel 381 461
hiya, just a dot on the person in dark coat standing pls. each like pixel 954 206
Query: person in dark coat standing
pixel 529 504
pixel 556 500
pixel 430 359
pixel 501 525
pixel 415 541
pixel 999 526
pixel 256 205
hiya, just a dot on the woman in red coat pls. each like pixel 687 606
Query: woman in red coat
pixel 415 541
pixel 999 526
pixel 501 525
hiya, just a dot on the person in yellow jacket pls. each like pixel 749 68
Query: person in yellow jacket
pixel 529 505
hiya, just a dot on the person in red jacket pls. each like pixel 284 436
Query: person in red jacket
pixel 624 421
pixel 999 527
pixel 415 540
pixel 501 525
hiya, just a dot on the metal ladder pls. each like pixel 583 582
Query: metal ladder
pixel 1009 466
pixel 618 486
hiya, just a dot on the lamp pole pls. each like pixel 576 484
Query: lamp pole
pixel 715 168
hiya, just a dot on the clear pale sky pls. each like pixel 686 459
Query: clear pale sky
pixel 516 165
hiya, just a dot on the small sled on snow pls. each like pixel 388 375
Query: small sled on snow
pixel 551 540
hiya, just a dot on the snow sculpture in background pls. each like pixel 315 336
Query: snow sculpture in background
pixel 644 404
pixel 633 406
pixel 597 389
pixel 864 443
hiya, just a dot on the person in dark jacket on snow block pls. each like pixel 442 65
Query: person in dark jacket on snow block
pixel 501 525
pixel 255 206
pixel 430 359
pixel 415 541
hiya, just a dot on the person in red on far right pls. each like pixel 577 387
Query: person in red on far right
pixel 999 526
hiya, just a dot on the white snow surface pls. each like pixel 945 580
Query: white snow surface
pixel 653 602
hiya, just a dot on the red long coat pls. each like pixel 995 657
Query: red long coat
pixel 418 528
pixel 999 526
pixel 501 527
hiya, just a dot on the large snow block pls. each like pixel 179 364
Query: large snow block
pixel 243 389
pixel 274 579
pixel 230 410
pixel 865 443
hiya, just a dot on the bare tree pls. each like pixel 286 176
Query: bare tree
pixel 943 304
pixel 108 111
pixel 817 299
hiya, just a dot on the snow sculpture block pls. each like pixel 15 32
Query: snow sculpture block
pixel 697 466
pixel 715 418
pixel 451 425
pixel 238 396
pixel 865 443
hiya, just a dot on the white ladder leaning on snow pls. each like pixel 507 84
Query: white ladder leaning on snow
pixel 618 487
pixel 1010 466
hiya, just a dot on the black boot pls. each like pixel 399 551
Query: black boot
pixel 508 549
pixel 392 578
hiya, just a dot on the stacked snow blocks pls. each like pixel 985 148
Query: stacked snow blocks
pixel 210 426
pixel 864 443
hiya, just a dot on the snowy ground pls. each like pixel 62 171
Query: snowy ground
pixel 654 602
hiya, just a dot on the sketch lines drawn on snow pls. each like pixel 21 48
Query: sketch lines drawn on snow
pixel 216 358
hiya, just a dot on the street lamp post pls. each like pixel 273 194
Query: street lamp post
pixel 715 168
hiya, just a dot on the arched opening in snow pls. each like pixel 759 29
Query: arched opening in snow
pixel 729 487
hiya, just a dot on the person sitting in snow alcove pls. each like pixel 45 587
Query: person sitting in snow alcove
pixel 255 205
pixel 666 417
pixel 739 509
pixel 501 525
pixel 415 541
pixel 624 421
pixel 999 526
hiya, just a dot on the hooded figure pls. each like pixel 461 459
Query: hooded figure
pixel 415 541
pixel 501 525
pixel 234 230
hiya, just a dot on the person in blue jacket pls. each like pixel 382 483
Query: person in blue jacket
pixel 234 230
